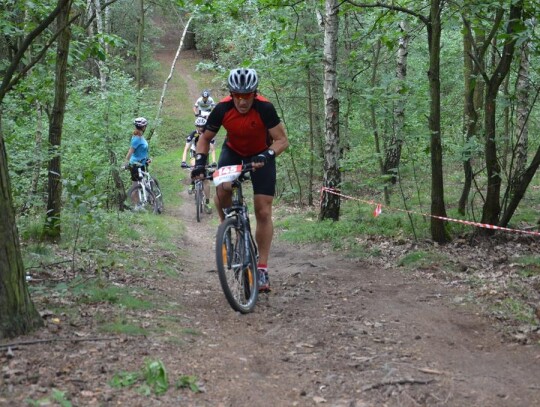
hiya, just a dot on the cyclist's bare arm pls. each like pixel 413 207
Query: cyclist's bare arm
pixel 129 153
pixel 186 149
pixel 280 142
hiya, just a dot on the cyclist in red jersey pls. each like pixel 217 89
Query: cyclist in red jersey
pixel 254 134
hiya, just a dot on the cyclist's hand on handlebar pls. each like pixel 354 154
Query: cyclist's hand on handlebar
pixel 261 159
pixel 197 171
pixel 184 164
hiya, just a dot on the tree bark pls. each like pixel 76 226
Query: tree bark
pixel 52 229
pixel 393 152
pixel 492 206
pixel 438 231
pixel 140 37
pixel 330 204
pixel 17 312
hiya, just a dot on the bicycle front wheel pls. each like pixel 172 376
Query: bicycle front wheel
pixel 142 197
pixel 237 266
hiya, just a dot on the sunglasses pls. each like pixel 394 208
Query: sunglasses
pixel 243 96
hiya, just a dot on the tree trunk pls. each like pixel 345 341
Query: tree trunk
pixel 52 227
pixel 393 152
pixel 330 204
pixel 140 37
pixel 438 232
pixel 520 188
pixel 470 118
pixel 17 312
pixel 311 113
pixel 523 89
pixel 492 206
pixel 101 63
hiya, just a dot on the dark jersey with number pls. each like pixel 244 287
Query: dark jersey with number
pixel 247 134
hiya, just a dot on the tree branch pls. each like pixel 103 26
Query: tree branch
pixel 424 19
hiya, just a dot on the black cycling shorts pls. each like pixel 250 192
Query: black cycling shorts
pixel 134 170
pixel 263 179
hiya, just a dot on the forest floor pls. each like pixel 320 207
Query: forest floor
pixel 334 331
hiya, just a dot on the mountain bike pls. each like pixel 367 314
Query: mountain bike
pixel 236 250
pixel 146 192
pixel 200 199
pixel 199 195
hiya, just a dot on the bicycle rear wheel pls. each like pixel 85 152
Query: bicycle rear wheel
pixel 237 266
pixel 156 190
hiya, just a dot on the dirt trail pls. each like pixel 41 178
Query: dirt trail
pixel 343 333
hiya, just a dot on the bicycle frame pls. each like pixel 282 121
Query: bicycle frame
pixel 147 191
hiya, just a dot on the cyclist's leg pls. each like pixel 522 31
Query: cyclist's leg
pixel 213 150
pixel 222 199
pixel 264 183
pixel 191 163
pixel 134 171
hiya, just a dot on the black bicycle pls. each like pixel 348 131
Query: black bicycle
pixel 236 250
pixel 200 196
pixel 146 193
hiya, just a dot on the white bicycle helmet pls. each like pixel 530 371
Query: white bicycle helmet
pixel 140 122
pixel 205 94
pixel 200 121
pixel 243 80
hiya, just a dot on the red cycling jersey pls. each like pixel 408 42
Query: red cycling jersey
pixel 247 134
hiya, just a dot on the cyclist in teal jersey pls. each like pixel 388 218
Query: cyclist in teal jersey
pixel 137 155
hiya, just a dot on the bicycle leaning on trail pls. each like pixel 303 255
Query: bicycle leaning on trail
pixel 146 193
pixel 236 250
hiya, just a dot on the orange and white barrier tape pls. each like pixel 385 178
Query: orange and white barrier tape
pixel 378 211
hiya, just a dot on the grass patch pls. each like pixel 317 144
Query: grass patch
pixel 512 308
pixel 529 265
pixel 94 291
pixel 123 327
pixel 422 259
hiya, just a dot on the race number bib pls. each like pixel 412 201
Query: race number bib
pixel 226 174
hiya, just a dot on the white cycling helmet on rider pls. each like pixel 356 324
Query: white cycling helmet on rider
pixel 140 122
pixel 200 121
pixel 243 80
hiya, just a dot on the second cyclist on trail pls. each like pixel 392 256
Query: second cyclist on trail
pixel 191 146
pixel 204 104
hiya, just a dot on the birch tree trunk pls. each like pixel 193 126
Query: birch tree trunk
pixel 393 152
pixel 100 63
pixel 330 204
pixel 166 83
pixel 140 37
